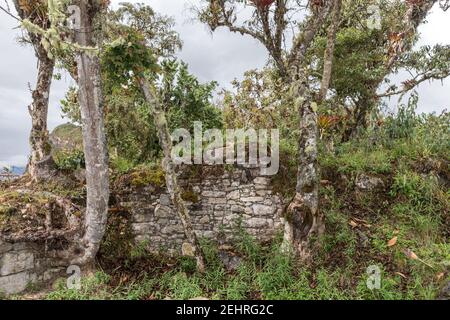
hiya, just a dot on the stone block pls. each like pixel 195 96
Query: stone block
pixel 15 262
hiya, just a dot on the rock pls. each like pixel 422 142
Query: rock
pixel 15 262
pixel 252 199
pixel 162 211
pixel 262 180
pixel 213 194
pixel 234 195
pixel 142 228
pixel 139 218
pixel 257 223
pixel 172 229
pixel 5 247
pixel 230 261
pixel 445 292
pixel 363 240
pixel 244 177
pixel 164 200
pixel 187 249
pixel 262 210
pixel 263 193
pixel 237 209
pixel 204 220
pixel 217 200
pixel 368 183
pixel 15 283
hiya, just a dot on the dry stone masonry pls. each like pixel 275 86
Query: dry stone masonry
pixel 221 201
pixel 22 264
pixel 218 200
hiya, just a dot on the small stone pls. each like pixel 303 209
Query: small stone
pixel 445 292
pixel 162 211
pixel 172 229
pixel 262 210
pixel 368 183
pixel 204 220
pixel 5 247
pixel 213 194
pixel 217 200
pixel 234 195
pixel 238 209
pixel 252 199
pixel 262 180
pixel 15 283
pixel 257 223
pixel 230 261
pixel 14 262
pixel 164 199
pixel 142 228
pixel 187 249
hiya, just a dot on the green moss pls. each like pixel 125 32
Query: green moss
pixel 190 196
pixel 148 176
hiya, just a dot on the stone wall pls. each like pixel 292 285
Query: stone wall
pixel 22 264
pixel 218 199
pixel 221 199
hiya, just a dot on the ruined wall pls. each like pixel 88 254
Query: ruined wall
pixel 217 201
pixel 217 198
pixel 22 264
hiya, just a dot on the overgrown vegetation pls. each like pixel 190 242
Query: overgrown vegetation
pixel 410 213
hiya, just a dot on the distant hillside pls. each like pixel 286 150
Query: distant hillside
pixel 18 170
pixel 66 137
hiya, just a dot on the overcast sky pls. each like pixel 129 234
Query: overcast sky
pixel 221 56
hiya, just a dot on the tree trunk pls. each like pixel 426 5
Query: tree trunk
pixel 40 165
pixel 171 178
pixel 41 162
pixel 329 51
pixel 302 217
pixel 94 140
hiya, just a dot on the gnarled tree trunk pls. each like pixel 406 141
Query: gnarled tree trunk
pixel 94 140
pixel 173 188
pixel 41 162
pixel 302 217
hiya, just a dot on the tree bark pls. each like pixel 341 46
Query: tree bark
pixel 172 185
pixel 94 140
pixel 41 161
pixel 329 51
pixel 302 217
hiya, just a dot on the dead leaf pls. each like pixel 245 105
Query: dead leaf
pixel 410 254
pixel 392 242
pixel 353 224
pixel 439 276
